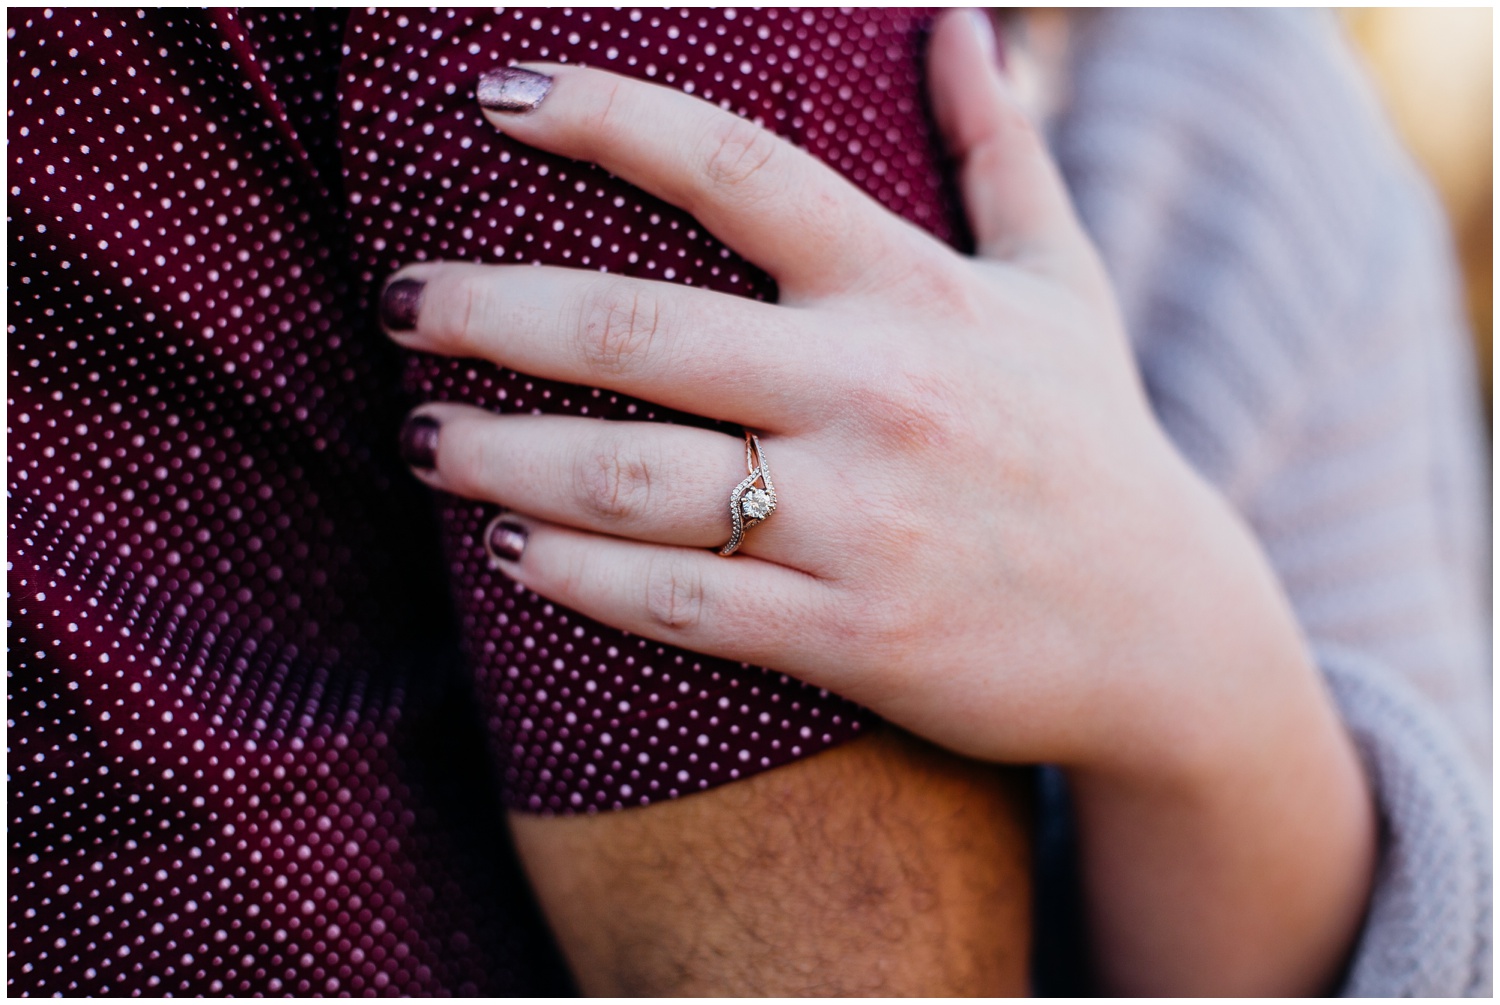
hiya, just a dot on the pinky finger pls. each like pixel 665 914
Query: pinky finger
pixel 738 608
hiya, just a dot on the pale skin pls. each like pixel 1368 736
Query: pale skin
pixel 982 534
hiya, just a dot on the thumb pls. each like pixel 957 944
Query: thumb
pixel 1016 202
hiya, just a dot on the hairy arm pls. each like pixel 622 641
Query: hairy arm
pixel 882 867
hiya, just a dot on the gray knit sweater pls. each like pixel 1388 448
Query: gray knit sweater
pixel 1287 280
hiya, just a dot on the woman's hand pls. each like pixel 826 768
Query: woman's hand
pixel 981 531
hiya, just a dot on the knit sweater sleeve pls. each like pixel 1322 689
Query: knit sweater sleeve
pixel 1287 280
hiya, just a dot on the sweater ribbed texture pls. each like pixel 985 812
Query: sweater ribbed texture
pixel 1288 282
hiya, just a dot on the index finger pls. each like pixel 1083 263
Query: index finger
pixel 778 206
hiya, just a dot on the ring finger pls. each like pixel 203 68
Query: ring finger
pixel 652 482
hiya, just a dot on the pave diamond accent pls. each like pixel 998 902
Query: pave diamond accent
pixel 756 504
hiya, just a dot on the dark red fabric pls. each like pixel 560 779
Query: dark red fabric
pixel 254 748
pixel 591 717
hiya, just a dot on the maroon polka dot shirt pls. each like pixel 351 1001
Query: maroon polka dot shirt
pixel 267 701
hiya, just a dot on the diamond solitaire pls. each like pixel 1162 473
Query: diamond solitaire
pixel 756 504
pixel 749 503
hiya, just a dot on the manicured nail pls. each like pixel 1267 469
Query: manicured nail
pixel 512 89
pixel 419 442
pixel 400 303
pixel 505 540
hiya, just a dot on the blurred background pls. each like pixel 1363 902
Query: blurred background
pixel 1434 68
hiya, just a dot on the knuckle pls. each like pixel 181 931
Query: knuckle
pixel 617 327
pixel 933 282
pixel 906 408
pixel 847 622
pixel 614 483
pixel 674 594
pixel 948 285
pixel 874 629
pixel 737 151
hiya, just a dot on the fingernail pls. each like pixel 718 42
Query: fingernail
pixel 419 442
pixel 512 89
pixel 984 30
pixel 400 303
pixel 505 540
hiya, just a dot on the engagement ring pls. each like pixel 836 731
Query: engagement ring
pixel 750 504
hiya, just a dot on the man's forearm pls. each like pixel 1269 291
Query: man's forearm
pixel 883 866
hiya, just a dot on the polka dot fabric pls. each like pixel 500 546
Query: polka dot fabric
pixel 587 717
pixel 248 754
pixel 243 758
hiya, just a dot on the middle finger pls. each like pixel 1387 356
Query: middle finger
pixel 710 354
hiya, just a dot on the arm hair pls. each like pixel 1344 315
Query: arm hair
pixel 881 867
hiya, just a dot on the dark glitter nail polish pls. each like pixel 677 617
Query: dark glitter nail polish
pixel 512 89
pixel 400 303
pixel 419 442
pixel 507 540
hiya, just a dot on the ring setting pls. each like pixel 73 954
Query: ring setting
pixel 750 504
